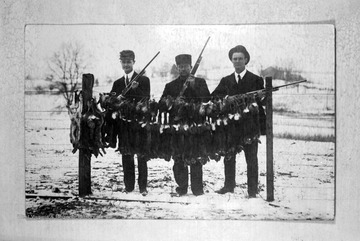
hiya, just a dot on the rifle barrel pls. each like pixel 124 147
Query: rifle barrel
pixel 194 69
pixel 143 70
pixel 204 46
pixel 196 65
pixel 293 83
pixel 276 87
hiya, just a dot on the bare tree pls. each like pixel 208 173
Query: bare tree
pixel 67 66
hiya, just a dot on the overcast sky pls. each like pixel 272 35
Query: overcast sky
pixel 307 48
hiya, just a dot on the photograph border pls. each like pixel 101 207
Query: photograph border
pixel 343 14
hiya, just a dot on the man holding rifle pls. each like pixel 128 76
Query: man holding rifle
pixel 136 90
pixel 240 82
pixel 189 88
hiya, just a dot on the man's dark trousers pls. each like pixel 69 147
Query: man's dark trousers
pixel 181 174
pixel 129 172
pixel 250 151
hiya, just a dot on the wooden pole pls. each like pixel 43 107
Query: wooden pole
pixel 269 142
pixel 84 172
pixel 84 153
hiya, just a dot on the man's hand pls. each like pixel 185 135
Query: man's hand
pixel 134 84
pixel 261 94
pixel 180 99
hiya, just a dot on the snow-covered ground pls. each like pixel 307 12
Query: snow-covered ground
pixel 304 180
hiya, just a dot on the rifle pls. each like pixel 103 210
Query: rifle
pixel 275 88
pixel 194 69
pixel 123 93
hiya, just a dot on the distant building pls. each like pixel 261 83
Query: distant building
pixel 281 73
pixel 273 72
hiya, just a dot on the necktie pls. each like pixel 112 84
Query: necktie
pixel 127 80
pixel 239 79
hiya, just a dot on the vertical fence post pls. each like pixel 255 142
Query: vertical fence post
pixel 269 142
pixel 84 153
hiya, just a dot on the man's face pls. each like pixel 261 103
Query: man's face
pixel 184 69
pixel 239 61
pixel 127 65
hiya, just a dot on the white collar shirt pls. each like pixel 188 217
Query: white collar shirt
pixel 242 74
pixel 129 75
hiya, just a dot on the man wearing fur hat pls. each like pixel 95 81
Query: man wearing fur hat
pixel 197 91
pixel 139 89
pixel 240 82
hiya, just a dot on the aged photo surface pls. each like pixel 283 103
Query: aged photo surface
pixel 303 125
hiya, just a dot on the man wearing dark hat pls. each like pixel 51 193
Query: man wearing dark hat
pixel 240 82
pixel 138 90
pixel 197 91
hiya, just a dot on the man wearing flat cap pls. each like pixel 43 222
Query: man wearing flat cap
pixel 196 91
pixel 138 90
pixel 240 82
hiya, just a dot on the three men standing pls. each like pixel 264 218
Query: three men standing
pixel 197 91
pixel 240 82
pixel 138 90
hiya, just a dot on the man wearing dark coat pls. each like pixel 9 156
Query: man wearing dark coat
pixel 240 82
pixel 138 90
pixel 197 91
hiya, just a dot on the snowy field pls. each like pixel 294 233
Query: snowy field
pixel 304 176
